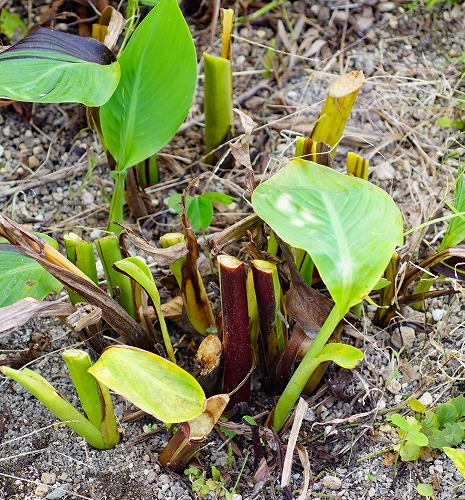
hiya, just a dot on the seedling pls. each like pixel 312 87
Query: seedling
pixel 203 486
pixel 99 428
pixel 411 439
pixel 199 208
pixel 342 222
pixel 218 90
pixel 440 429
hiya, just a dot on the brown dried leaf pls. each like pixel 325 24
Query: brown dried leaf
pixel 64 271
pixel 22 108
pixel 241 148
pixel 301 410
pixel 307 306
pixel 84 316
pixel 162 256
pixel 305 461
pixel 115 21
pixel 389 459
pixel 172 310
pixel 19 313
pixel 193 292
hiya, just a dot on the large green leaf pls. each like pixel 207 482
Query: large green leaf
pixel 50 66
pixel 158 78
pixel 151 382
pixel 22 277
pixel 349 227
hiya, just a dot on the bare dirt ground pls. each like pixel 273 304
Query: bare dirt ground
pixel 53 177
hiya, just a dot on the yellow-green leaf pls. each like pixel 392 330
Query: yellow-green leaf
pixel 151 382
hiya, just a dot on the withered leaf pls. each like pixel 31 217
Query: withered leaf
pixel 35 247
pixel 162 256
pixel 15 315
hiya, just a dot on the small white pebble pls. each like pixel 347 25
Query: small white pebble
pixel 426 399
pixel 332 482
pixel 437 314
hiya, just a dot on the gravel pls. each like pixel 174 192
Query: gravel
pixel 412 61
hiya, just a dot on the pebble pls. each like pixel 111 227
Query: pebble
pixel 384 172
pixel 365 21
pixel 403 338
pixel 426 399
pixel 41 490
pixel 2 149
pixel 87 198
pixel 58 492
pixel 151 476
pixel 33 161
pixel 437 314
pixel 37 150
pixel 394 386
pixel 310 415
pixel 164 479
pixel 48 478
pixel 387 6
pixel 332 482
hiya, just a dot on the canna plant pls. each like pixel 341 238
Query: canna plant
pixel 143 96
pixel 156 385
pixel 99 427
pixel 413 287
pixel 218 90
pixel 343 223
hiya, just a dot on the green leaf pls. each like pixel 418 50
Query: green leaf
pixel 56 403
pixel 453 433
pixel 436 438
pixel 458 457
pixel 416 406
pixel 400 421
pixel 174 202
pixel 445 122
pixel 200 212
pixel 22 277
pixel 151 382
pixel 349 227
pixel 418 438
pixel 455 232
pixel 158 79
pixel 141 274
pixel 199 208
pixel 50 66
pixel 216 474
pixel 11 25
pixel 430 421
pixel 223 199
pixel 343 355
pixel 425 490
pixel 459 403
pixel 409 452
pixel 446 413
pixel 382 283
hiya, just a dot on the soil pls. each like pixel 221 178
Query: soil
pixel 54 178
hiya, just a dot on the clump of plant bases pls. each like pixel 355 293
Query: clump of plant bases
pixel 318 244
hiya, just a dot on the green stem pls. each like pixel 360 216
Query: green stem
pixel 306 368
pixel 117 201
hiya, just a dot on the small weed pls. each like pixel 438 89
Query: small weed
pixel 439 429
pixel 203 486
pixel 199 208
